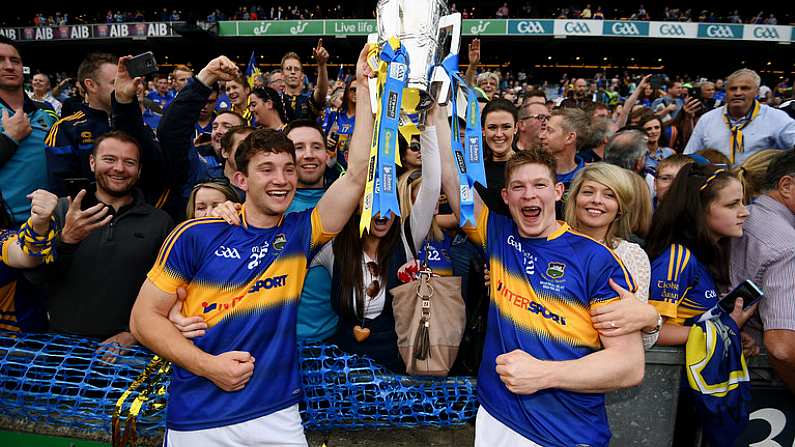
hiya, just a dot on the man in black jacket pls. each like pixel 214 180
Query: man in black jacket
pixel 109 241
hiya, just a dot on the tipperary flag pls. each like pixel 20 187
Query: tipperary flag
pixel 718 379
pixel 252 71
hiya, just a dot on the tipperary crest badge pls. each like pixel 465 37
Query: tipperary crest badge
pixel 556 270
pixel 279 242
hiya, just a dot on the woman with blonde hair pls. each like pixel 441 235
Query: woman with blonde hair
pixel 206 196
pixel 752 173
pixel 603 205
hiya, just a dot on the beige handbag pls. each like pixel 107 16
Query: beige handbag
pixel 430 316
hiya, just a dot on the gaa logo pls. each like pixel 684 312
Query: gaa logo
pixel 719 31
pixel 530 27
pixel 397 71
pixel 765 33
pixel 577 28
pixel 667 29
pixel 625 29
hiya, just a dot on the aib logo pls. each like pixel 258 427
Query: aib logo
pixel 719 31
pixel 668 29
pixel 765 33
pixel 577 28
pixel 625 29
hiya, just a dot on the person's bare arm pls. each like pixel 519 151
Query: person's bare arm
pixel 474 61
pixel 342 198
pixel 629 104
pixel 149 325
pixel 619 365
pixel 321 89
pixel 780 345
pixel 450 184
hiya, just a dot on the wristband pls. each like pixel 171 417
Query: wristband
pixel 40 246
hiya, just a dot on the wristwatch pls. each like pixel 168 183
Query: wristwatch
pixel 656 328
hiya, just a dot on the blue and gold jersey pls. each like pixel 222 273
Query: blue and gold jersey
pixel 245 283
pixel 542 291
pixel 681 288
pixel 20 308
pixel 437 255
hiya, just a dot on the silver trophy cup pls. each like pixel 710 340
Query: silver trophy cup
pixel 424 28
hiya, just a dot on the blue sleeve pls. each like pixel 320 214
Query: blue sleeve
pixel 606 265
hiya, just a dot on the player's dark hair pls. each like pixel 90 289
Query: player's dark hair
pixel 262 141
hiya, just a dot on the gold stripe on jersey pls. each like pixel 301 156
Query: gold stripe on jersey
pixel 281 282
pixel 165 250
pixel 543 314
pixel 50 140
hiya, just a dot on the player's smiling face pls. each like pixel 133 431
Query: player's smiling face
pixel 270 183
pixel 530 195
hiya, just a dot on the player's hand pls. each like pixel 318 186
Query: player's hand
pixel 231 370
pixel 42 206
pixel 522 373
pixel 229 211
pixel 189 327
pixel 320 54
pixel 627 315
pixel 18 126
pixel 80 223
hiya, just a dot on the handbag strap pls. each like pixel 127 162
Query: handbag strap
pixel 410 241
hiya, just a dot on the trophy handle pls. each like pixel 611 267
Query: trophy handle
pixel 373 82
pixel 452 21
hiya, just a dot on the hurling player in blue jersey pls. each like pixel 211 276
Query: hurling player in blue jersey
pixel 238 384
pixel 545 367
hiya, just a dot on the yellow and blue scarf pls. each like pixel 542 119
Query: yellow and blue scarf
pixel 737 142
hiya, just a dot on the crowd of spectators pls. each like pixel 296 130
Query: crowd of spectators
pixel 469 10
pixel 677 190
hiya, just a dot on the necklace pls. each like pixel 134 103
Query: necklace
pixel 361 333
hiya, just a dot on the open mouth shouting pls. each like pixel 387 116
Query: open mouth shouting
pixel 531 212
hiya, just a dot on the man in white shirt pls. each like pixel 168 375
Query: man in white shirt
pixel 742 126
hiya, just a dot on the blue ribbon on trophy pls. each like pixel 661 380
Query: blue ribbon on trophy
pixel 468 156
pixel 385 198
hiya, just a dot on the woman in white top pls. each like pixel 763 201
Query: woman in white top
pixel 600 206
